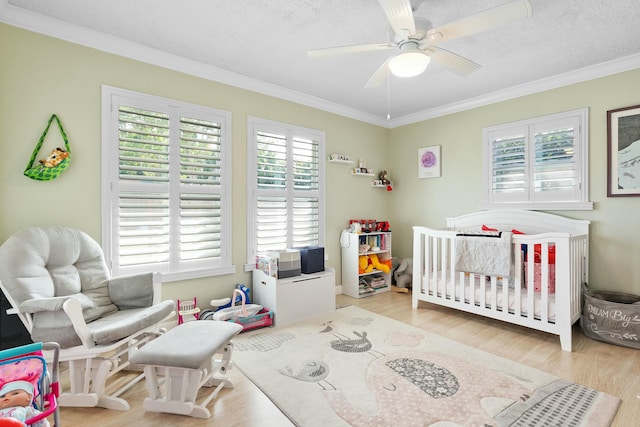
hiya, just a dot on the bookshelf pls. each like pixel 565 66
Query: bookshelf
pixel 355 283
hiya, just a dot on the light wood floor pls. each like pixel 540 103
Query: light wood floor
pixel 612 369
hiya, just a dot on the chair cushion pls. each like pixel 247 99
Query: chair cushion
pixel 126 322
pixel 45 262
pixel 54 326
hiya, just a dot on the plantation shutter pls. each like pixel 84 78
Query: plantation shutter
pixel 535 163
pixel 200 190
pixel 556 154
pixel 169 212
pixel 143 233
pixel 306 201
pixel 288 201
pixel 509 165
pixel 272 213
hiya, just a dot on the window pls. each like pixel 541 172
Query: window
pixel 166 180
pixel 539 163
pixel 285 187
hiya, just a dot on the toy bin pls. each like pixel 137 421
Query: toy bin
pixel 611 317
pixel 311 259
pixel 288 263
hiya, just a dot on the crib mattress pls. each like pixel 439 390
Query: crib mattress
pixel 538 305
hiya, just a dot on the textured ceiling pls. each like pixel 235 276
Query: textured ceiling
pixel 265 43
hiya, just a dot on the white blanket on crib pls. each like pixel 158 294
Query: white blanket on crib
pixel 486 253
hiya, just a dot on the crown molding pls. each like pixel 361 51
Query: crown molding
pixel 52 27
pixel 56 28
pixel 604 69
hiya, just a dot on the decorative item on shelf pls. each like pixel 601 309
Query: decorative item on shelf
pixel 362 225
pixel 340 158
pixel 383 181
pixel 362 169
pixel 355 226
pixel 369 225
pixel 383 226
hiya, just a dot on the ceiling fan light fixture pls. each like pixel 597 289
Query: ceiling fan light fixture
pixel 409 64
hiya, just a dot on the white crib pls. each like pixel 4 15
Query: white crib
pixel 436 280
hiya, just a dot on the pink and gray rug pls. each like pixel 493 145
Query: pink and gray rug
pixel 354 367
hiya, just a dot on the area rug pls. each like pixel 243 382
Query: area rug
pixel 354 367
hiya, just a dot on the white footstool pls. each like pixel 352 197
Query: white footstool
pixel 186 357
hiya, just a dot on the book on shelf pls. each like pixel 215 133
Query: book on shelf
pixel 376 282
pixel 376 241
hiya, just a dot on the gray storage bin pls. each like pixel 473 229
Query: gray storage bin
pixel 612 317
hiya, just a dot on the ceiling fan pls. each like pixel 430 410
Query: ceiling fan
pixel 417 40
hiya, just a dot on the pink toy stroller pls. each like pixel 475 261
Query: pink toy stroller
pixel 27 363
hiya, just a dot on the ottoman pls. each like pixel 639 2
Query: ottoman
pixel 186 358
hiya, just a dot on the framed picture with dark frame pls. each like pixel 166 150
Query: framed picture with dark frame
pixel 623 151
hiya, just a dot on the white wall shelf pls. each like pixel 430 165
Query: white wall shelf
pixel 376 183
pixel 340 158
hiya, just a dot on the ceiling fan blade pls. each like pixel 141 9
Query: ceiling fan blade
pixel 342 50
pixel 452 61
pixel 400 16
pixel 380 75
pixel 480 22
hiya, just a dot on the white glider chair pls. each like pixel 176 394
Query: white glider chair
pixel 59 286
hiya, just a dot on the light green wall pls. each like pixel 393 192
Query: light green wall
pixel 40 75
pixel 615 231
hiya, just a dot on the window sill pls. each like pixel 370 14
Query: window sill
pixel 198 274
pixel 542 206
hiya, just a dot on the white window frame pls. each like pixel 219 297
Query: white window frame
pixel 254 126
pixel 577 199
pixel 112 97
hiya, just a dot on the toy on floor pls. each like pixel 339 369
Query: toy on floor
pixel 15 402
pixel 238 309
pixel 235 312
pixel 222 303
pixel 403 274
pixel 28 389
pixel 187 311
pixel 237 298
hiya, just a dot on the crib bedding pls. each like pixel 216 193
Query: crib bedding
pixel 538 305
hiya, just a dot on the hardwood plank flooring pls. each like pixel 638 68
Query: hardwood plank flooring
pixel 612 369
